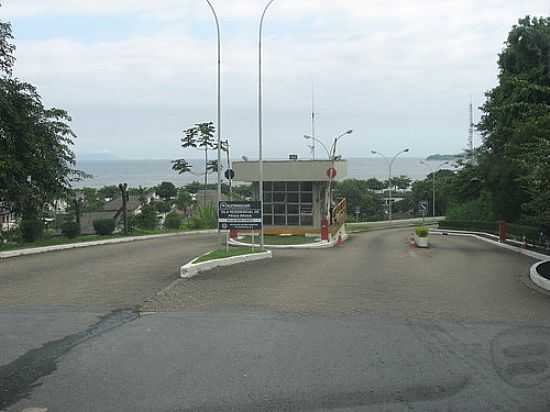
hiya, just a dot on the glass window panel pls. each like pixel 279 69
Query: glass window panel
pixel 306 197
pixel 268 186
pixel 293 220
pixel 279 209
pixel 268 197
pixel 306 187
pixel 268 208
pixel 306 208
pixel 280 220
pixel 279 197
pixel 292 197
pixel 292 209
pixel 306 220
pixel 268 220
pixel 292 187
pixel 279 186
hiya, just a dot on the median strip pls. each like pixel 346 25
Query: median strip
pixel 221 257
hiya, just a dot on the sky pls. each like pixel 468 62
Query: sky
pixel 134 73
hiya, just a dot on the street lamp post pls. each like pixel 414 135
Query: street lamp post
pixel 433 171
pixel 314 139
pixel 389 176
pixel 260 119
pixel 219 128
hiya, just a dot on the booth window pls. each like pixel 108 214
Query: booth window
pixel 288 204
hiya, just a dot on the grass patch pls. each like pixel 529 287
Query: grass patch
pixel 61 240
pixel 221 254
pixel 281 240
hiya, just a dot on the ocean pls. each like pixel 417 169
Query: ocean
pixel 152 172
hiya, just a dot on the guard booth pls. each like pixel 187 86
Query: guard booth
pixel 297 195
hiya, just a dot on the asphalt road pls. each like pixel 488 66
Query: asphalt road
pixel 373 325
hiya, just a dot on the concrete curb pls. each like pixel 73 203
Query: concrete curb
pixel 192 269
pixel 476 235
pixel 314 245
pixel 55 248
pixel 537 279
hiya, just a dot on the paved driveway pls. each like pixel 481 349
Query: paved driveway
pixel 376 272
pixel 374 325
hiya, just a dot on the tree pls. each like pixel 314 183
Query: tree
pixel 108 192
pixel 184 199
pixel 200 137
pixel 375 184
pixel 359 196
pixel 519 102
pixel 6 48
pixel 147 219
pixel 36 160
pixel 166 190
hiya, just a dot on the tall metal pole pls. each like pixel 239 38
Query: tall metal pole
pixel 312 121
pixel 391 164
pixel 260 120
pixel 433 171
pixel 433 194
pixel 219 128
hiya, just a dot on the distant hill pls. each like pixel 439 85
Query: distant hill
pixel 96 157
pixel 443 157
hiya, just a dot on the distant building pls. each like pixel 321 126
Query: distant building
pixel 7 219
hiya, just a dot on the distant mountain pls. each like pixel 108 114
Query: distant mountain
pixel 443 157
pixel 96 157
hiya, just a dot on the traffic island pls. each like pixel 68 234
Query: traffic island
pixel 221 257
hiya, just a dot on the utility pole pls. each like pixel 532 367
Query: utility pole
pixel 313 121
pixel 471 131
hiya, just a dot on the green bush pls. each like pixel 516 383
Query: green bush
pixel 147 219
pixel 70 230
pixel 104 227
pixel 204 218
pixel 31 230
pixel 173 221
pixel 422 231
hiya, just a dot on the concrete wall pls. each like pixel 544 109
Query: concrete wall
pixel 289 170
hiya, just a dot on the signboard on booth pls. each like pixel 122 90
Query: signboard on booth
pixel 239 215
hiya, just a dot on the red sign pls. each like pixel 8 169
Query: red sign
pixel 331 172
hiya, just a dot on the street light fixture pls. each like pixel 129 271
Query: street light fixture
pixel 389 176
pixel 433 170
pixel 314 139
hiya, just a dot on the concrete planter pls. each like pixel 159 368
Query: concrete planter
pixel 192 269
pixel 421 241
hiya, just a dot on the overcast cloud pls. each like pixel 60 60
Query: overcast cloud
pixel 133 74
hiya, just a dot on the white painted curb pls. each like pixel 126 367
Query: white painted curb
pixel 537 279
pixel 191 269
pixel 476 235
pixel 46 249
pixel 315 245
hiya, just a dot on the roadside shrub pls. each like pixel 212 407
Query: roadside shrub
pixel 31 230
pixel 204 218
pixel 147 219
pixel 104 227
pixel 422 231
pixel 173 221
pixel 70 230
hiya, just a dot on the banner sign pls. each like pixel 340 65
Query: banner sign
pixel 239 216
